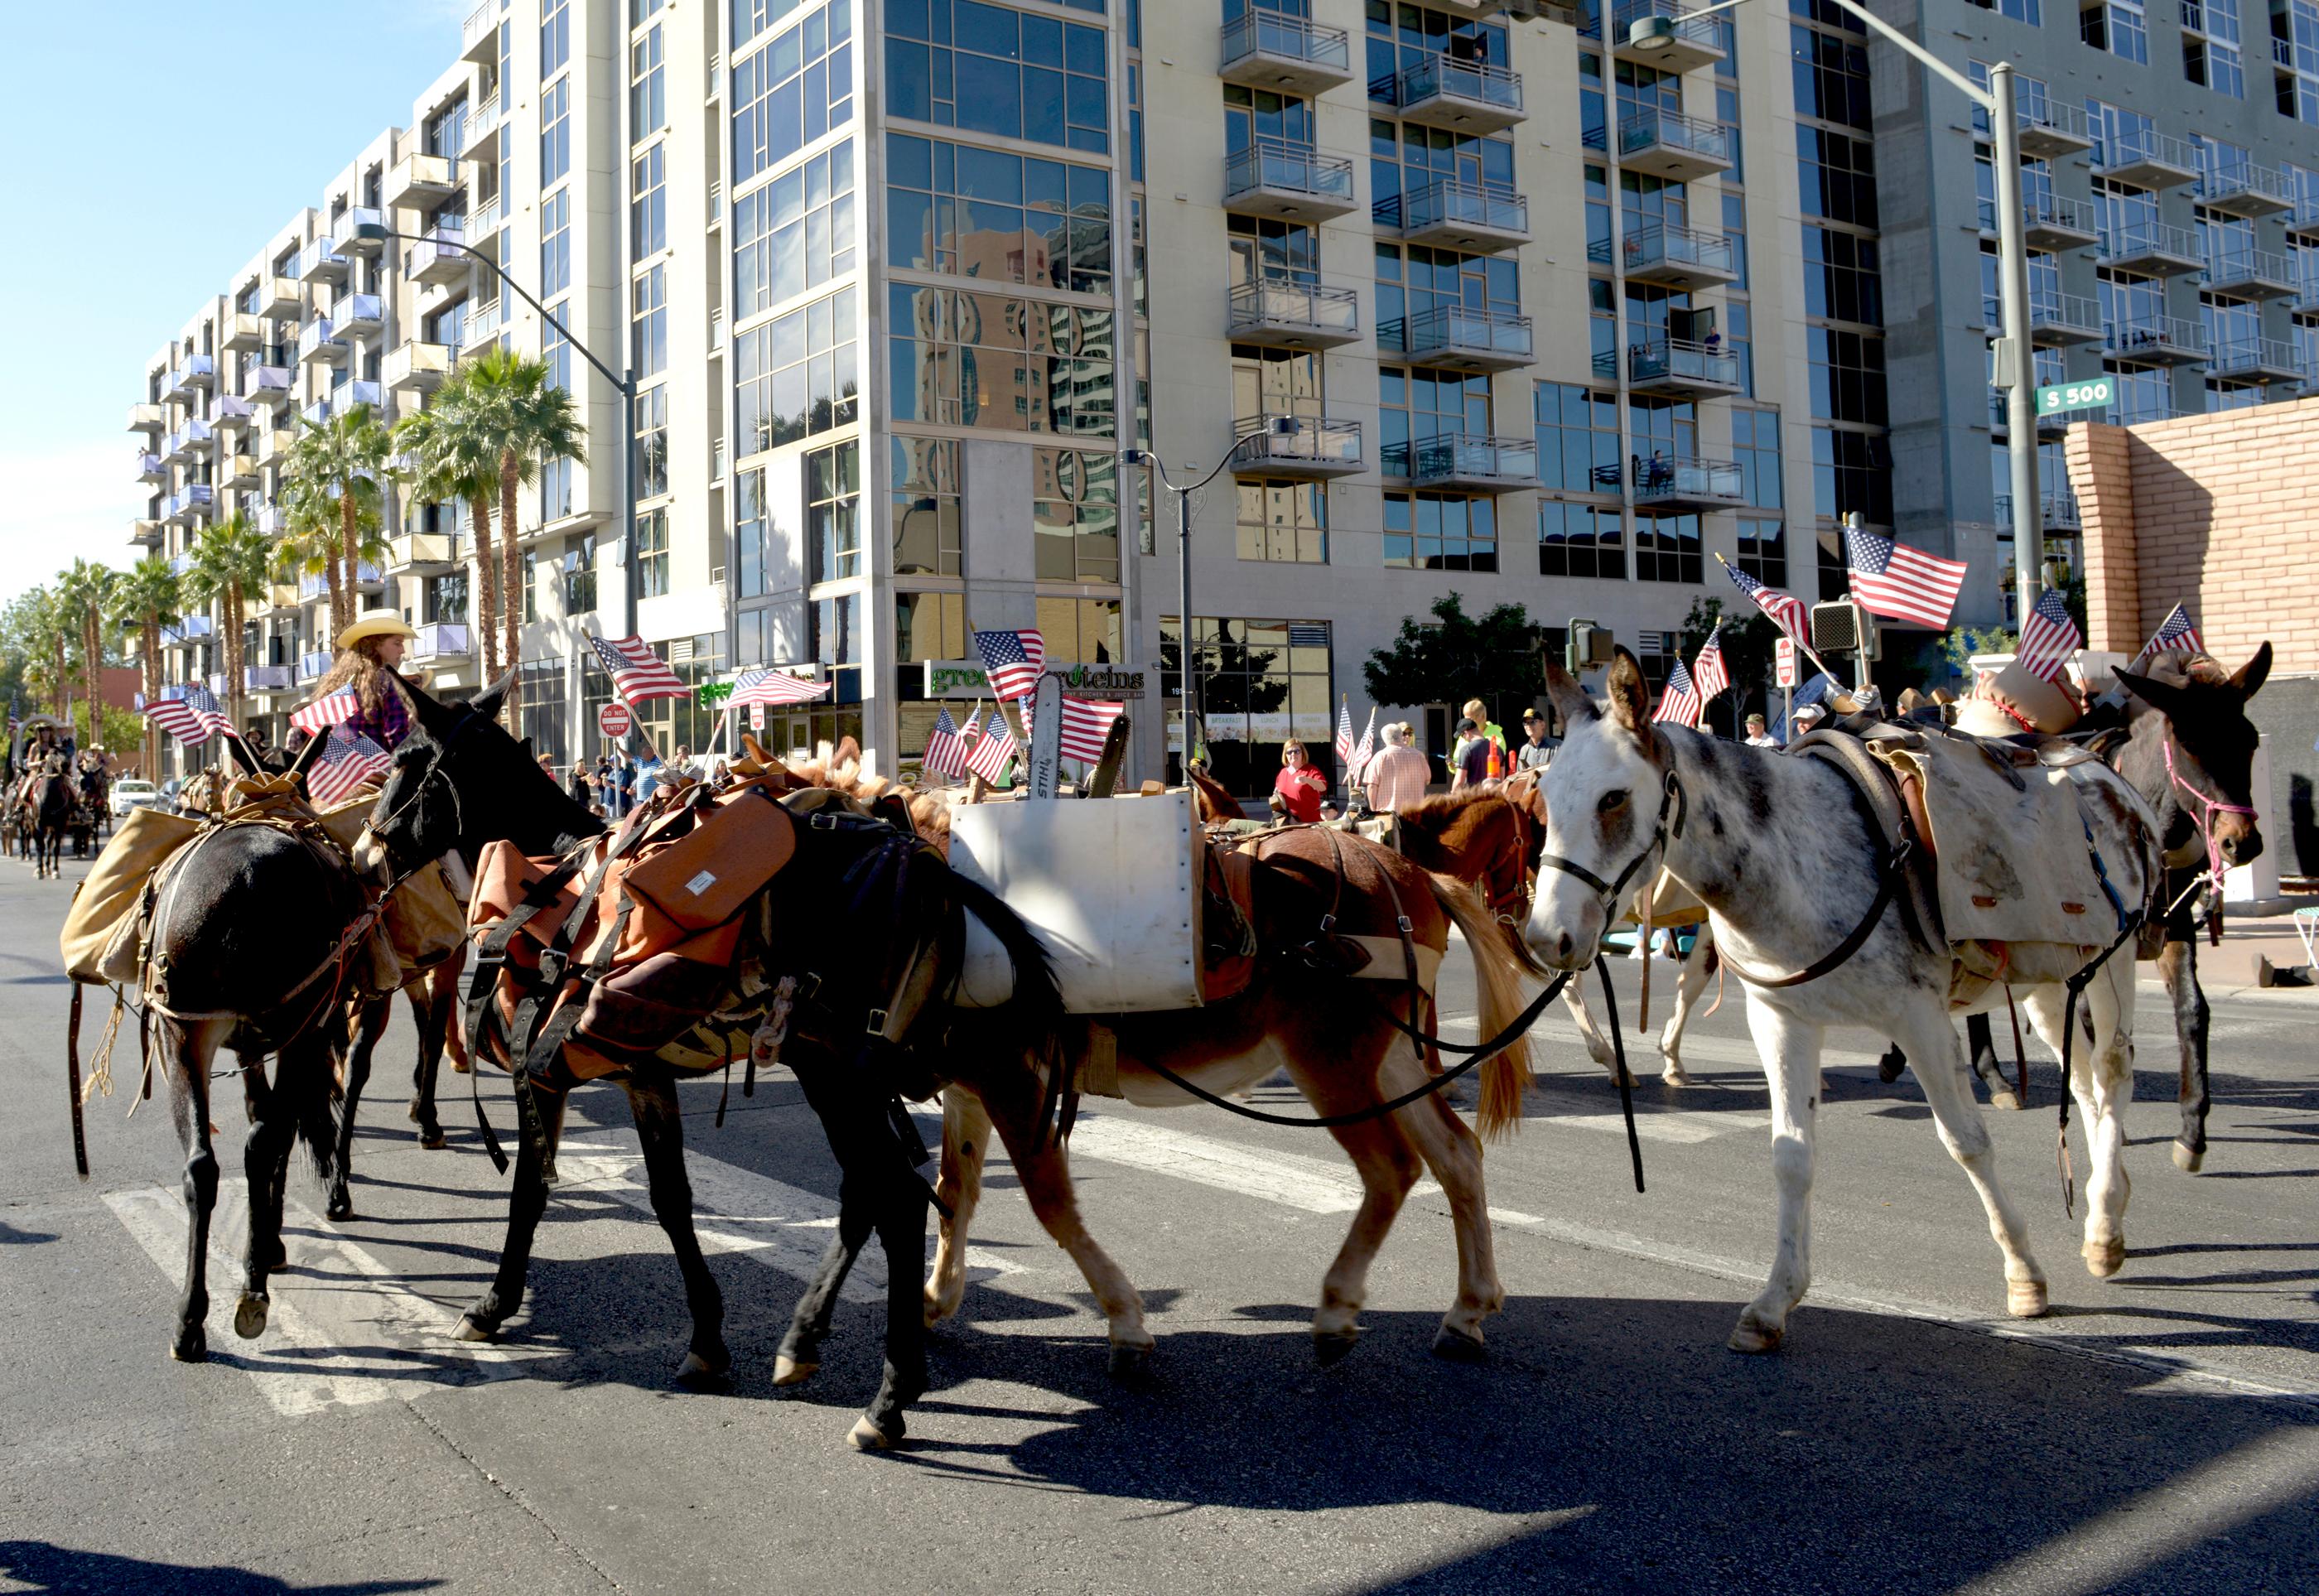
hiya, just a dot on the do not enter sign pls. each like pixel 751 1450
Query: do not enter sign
pixel 615 719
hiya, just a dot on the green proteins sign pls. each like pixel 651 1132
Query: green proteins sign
pixel 2091 394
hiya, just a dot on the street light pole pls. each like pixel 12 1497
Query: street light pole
pixel 2015 372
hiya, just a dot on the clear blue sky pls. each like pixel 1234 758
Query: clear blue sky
pixel 141 174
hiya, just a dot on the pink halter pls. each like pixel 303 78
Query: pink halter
pixel 2202 809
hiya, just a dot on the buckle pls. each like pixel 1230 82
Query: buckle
pixel 1328 925
pixel 1402 921
pixel 876 1023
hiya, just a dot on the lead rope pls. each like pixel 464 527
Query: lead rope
pixel 1618 1052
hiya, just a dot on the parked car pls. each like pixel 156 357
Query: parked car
pixel 132 794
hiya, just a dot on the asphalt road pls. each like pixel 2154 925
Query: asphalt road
pixel 2160 1432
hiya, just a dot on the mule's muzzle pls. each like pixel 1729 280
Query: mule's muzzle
pixel 2239 840
pixel 369 858
pixel 1564 933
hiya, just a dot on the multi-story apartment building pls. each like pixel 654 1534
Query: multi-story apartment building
pixel 900 278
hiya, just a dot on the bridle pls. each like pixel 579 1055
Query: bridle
pixel 1672 796
pixel 435 771
pixel 1511 906
pixel 2201 808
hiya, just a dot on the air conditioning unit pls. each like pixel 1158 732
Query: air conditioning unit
pixel 1843 626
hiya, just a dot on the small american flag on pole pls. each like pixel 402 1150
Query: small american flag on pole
pixel 1901 583
pixel 1364 751
pixel 328 710
pixel 1086 722
pixel 1787 611
pixel 1344 734
pixel 1707 672
pixel 1013 661
pixel 189 714
pixel 638 674
pixel 2050 637
pixel 2176 631
pixel 945 753
pixel 993 750
pixel 1679 702
pixel 348 760
pixel 772 686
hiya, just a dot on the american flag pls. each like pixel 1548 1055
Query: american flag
pixel 1901 583
pixel 993 750
pixel 2176 631
pixel 1344 734
pixel 1789 611
pixel 348 760
pixel 328 710
pixel 1680 701
pixel 1365 751
pixel 945 753
pixel 1086 722
pixel 189 714
pixel 1707 672
pixel 770 686
pixel 638 674
pixel 2050 637
pixel 1013 661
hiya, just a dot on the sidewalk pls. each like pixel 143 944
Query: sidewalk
pixel 2231 966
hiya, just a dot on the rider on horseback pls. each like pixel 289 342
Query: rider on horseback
pixel 370 652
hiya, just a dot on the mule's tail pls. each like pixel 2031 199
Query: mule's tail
pixel 1497 980
pixel 307 1078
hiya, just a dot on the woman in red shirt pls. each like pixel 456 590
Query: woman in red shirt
pixel 1300 786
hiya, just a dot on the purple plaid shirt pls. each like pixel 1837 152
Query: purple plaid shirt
pixel 389 726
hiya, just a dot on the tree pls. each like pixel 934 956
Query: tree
pixel 86 593
pixel 1493 657
pixel 147 600
pixel 1748 634
pixel 343 460
pixel 450 461
pixel 32 632
pixel 228 563
pixel 1944 659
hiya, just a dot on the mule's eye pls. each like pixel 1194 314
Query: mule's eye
pixel 1612 801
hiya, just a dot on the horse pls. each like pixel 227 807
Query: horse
pixel 461 781
pixel 52 805
pixel 248 952
pixel 1733 824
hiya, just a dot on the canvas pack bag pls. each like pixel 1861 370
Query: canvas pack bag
pixel 100 937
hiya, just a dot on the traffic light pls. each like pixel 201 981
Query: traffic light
pixel 1590 646
pixel 1844 626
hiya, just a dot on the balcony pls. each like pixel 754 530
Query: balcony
pixel 196 440
pixel 419 181
pixel 2060 507
pixel 345 397
pixel 2167 340
pixel 1456 339
pixel 1664 482
pixel 268 679
pixel 1469 465
pixel 280 595
pixel 321 262
pixel 320 344
pixel 196 373
pixel 191 503
pixel 268 386
pixel 191 628
pixel 318 586
pixel 279 299
pixel 2245 190
pixel 241 333
pixel 238 470
pixel 274 521
pixel 1279 314
pixel 442 640
pixel 1465 217
pixel 2303 227
pixel 357 315
pixel 1668 144
pixel 478 139
pixel 147 534
pixel 2144 159
pixel 2251 273
pixel 1463 96
pixel 2255 360
pixel 1287 181
pixel 479 35
pixel 232 415
pixel 313 666
pixel 1662 367
pixel 413 368
pixel 2058 318
pixel 485 321
pixel 1266 50
pixel 2051 128
pixel 1309 448
pixel 1685 44
pixel 148 418
pixel 1674 256
pixel 274 447
pixel 347 231
pixel 2152 248
pixel 152 469
pixel 439 258
pixel 415 551
pixel 2050 221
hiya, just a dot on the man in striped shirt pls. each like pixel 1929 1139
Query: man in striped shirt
pixel 1399 774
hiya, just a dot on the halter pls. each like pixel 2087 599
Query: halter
pixel 1520 895
pixel 435 769
pixel 2201 808
pixel 1671 796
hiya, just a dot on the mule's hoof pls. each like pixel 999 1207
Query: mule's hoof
pixel 1751 1335
pixel 1331 1345
pixel 434 1138
pixel 2105 1258
pixel 1889 1069
pixel 1673 1076
pixel 341 1210
pixel 697 1373
pixel 937 1310
pixel 192 1345
pixel 1129 1363
pixel 2188 1161
pixel 250 1317
pixel 866 1436
pixel 470 1328
pixel 2004 1097
pixel 2025 1299
pixel 1457 1346
pixel 788 1371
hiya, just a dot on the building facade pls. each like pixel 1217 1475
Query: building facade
pixel 899 279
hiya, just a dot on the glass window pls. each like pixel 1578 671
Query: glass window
pixel 926 510
pixel 926 626
pixel 555 350
pixel 1587 540
pixel 1406 160
pixel 555 489
pixel 554 131
pixel 1285 522
pixel 795 233
pixel 1577 438
pixel 1666 548
pixel 752 572
pixel 1429 531
pixel 976 359
pixel 648 209
pixel 652 442
pixel 993 215
pixel 1257 689
pixel 1075 515
pixel 1755 446
pixel 792 91
pixel 648 322
pixel 647 96
pixel 796 375
pixel 1763 551
pixel 555 242
pixel 1417 405
pixel 992 69
pixel 578 569
pixel 555 37
pixel 832 514
pixel 651 551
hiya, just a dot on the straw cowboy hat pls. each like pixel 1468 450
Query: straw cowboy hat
pixel 375 623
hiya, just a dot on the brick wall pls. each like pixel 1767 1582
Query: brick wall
pixel 2221 512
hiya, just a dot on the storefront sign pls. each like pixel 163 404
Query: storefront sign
pixel 964 679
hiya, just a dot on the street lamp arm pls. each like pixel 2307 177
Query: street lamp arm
pixel 501 273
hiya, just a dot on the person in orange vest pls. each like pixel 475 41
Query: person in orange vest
pixel 1479 714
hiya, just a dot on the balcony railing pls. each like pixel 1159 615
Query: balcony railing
pixel 191 628
pixel 423 548
pixel 2059 510
pixel 2051 128
pixel 1485 462
pixel 344 398
pixel 420 180
pixel 2264 273
pixel 313 666
pixel 1465 215
pixel 1669 144
pixel 1270 50
pixel 484 321
pixel 2055 222
pixel 319 340
pixel 442 640
pixel 417 366
pixel 439 257
pixel 1661 364
pixel 1476 340
pixel 321 262
pixel 232 413
pixel 269 384
pixel 150 469
pixel 357 312
pixel 1297 445
pixel 1289 179
pixel 1292 315
pixel 268 678
pixel 1666 253
pixel 348 228
pixel 148 418
pixel 2269 360
pixel 2155 338
pixel 317 585
pixel 1467 96
pixel 2144 157
pixel 2150 246
pixel 1665 481
pixel 2245 189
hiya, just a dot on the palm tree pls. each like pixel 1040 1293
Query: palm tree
pixel 230 562
pixel 85 594
pixel 50 638
pixel 450 463
pixel 343 460
pixel 148 599
pixel 525 417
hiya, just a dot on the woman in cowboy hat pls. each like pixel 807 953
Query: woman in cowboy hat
pixel 370 651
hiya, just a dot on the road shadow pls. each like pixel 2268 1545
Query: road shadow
pixel 66 1572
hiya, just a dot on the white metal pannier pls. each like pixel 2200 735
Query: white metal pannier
pixel 1109 887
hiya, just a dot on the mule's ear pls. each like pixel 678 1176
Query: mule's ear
pixel 307 755
pixel 1569 699
pixel 2252 675
pixel 848 751
pixel 1630 695
pixel 240 752
pixel 433 715
pixel 487 702
pixel 2159 695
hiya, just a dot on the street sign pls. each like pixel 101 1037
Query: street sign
pixel 615 719
pixel 2090 394
pixel 1784 660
